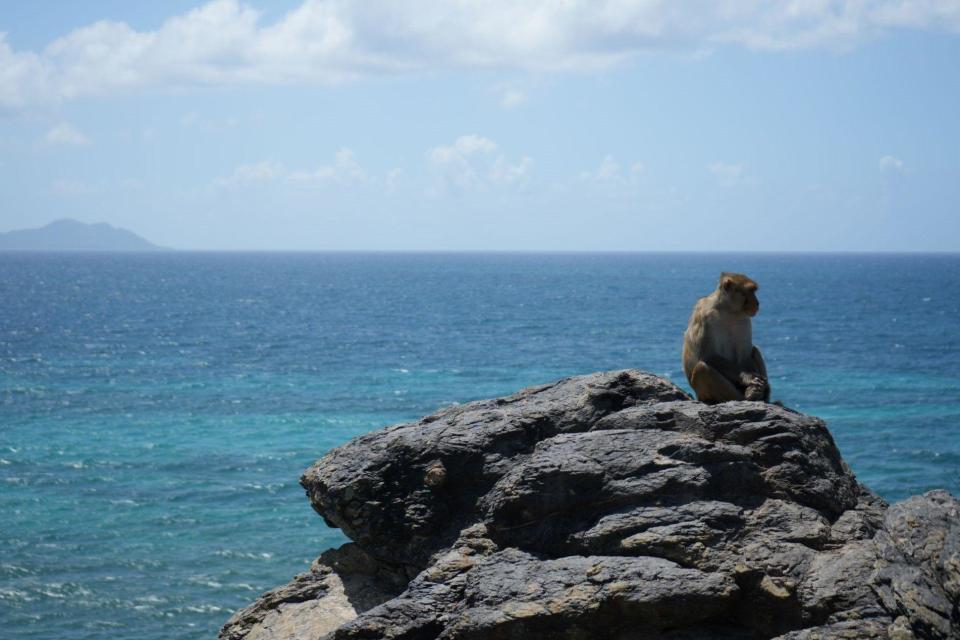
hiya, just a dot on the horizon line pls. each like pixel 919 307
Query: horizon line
pixel 798 252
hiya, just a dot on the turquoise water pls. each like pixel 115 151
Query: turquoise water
pixel 157 410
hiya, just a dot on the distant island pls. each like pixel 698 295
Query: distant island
pixel 73 235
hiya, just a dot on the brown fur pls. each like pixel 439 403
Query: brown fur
pixel 719 358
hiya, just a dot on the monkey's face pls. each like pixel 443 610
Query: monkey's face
pixel 750 303
pixel 740 292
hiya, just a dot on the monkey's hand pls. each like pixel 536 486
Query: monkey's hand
pixel 755 392
pixel 748 379
pixel 757 389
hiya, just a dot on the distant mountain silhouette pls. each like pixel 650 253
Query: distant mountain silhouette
pixel 73 235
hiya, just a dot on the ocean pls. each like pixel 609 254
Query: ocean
pixel 156 410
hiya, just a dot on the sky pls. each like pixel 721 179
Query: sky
pixel 572 125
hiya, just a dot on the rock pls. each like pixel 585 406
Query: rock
pixel 613 506
pixel 919 566
pixel 341 584
pixel 376 489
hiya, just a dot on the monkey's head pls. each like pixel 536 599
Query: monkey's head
pixel 739 293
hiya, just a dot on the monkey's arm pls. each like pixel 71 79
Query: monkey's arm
pixel 760 388
pixel 760 367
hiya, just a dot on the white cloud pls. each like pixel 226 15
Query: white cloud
pixel 462 148
pixel 727 175
pixel 611 172
pixel 503 172
pixel 393 179
pixel 511 97
pixel 65 134
pixel 469 164
pixel 892 164
pixel 456 163
pixel 326 41
pixel 609 169
pixel 264 171
pixel 344 170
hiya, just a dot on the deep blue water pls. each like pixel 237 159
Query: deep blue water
pixel 157 410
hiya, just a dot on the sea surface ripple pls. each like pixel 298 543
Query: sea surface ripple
pixel 156 410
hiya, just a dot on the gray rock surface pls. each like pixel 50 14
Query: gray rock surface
pixel 613 506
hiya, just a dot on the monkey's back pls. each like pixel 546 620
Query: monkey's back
pixel 694 335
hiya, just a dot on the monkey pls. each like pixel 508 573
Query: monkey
pixel 719 358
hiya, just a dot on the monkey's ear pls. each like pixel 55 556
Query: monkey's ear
pixel 726 284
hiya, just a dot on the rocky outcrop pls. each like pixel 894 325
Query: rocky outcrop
pixel 613 506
